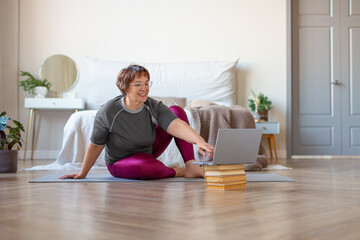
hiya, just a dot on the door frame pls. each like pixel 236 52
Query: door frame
pixel 289 84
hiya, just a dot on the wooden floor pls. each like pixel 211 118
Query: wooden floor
pixel 323 203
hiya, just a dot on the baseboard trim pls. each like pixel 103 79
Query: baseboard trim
pixel 39 154
pixel 323 157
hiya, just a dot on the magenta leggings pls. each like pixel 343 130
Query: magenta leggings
pixel 146 166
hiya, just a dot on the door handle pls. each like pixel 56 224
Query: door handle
pixel 336 82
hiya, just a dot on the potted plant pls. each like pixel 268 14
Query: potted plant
pixel 33 85
pixel 260 104
pixel 9 157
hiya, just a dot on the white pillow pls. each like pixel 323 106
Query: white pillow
pixel 101 81
pixel 213 81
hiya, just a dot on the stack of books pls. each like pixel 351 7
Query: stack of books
pixel 225 177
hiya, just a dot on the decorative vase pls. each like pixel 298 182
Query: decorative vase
pixel 8 161
pixel 263 115
pixel 40 92
pixel 256 116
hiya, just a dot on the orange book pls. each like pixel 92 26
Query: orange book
pixel 224 167
pixel 224 172
pixel 225 183
pixel 241 177
pixel 228 187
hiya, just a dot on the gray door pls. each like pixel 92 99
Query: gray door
pixel 326 88
pixel 350 76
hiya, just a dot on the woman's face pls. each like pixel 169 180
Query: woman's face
pixel 139 89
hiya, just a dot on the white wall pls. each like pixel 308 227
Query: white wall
pixel 158 31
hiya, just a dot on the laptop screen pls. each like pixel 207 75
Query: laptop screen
pixel 235 146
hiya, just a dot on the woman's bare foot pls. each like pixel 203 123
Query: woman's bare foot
pixel 180 172
pixel 193 170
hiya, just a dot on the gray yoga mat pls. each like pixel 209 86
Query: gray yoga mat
pixel 250 177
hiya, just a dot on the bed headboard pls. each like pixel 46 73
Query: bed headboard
pixel 213 81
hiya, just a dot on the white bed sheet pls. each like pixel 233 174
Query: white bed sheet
pixel 76 138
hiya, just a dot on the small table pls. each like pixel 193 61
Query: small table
pixel 48 104
pixel 269 129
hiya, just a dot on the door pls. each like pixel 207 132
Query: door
pixel 350 75
pixel 326 107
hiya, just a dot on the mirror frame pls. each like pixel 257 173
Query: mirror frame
pixel 77 73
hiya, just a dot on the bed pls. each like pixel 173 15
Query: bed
pixel 206 90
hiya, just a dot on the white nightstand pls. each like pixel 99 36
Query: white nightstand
pixel 269 129
pixel 35 104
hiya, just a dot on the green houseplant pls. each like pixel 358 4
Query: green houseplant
pixel 261 104
pixel 31 83
pixel 9 157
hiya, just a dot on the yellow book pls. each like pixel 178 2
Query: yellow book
pixel 225 183
pixel 223 167
pixel 229 187
pixel 224 172
pixel 241 177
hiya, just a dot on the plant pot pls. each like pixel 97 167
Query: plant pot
pixel 263 115
pixel 40 92
pixel 8 161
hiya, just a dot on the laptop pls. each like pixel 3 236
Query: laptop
pixel 234 146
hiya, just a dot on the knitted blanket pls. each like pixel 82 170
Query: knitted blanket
pixel 207 121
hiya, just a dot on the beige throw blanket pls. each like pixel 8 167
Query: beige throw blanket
pixel 209 119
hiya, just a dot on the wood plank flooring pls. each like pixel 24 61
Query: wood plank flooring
pixel 323 203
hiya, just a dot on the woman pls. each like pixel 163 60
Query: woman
pixel 135 130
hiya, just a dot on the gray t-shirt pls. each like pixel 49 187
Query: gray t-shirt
pixel 125 132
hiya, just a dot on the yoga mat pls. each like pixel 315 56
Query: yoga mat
pixel 250 177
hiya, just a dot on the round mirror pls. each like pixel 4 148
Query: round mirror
pixel 61 71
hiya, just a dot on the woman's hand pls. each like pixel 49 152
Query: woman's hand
pixel 74 176
pixel 204 147
pixel 92 153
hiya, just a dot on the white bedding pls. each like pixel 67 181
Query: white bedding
pixel 77 132
pixel 213 81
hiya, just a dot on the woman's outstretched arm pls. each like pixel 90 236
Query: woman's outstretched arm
pixel 92 153
pixel 180 129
